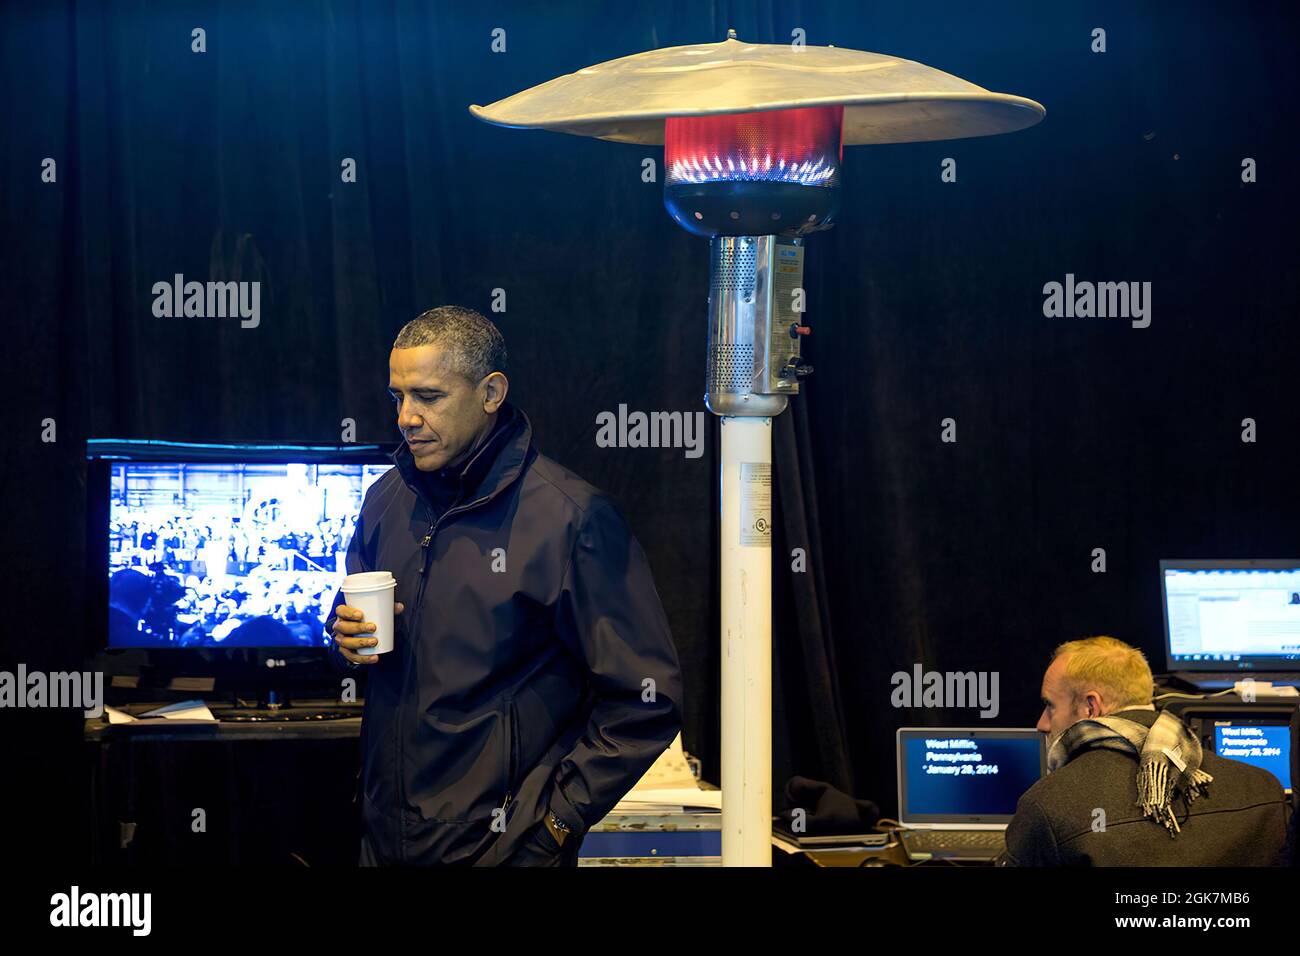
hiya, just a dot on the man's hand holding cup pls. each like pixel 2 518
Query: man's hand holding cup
pixel 363 627
pixel 353 633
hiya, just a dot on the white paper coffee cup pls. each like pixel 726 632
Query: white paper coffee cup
pixel 371 593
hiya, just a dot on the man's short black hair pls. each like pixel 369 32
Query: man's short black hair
pixel 476 345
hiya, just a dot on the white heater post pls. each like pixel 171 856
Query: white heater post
pixel 746 578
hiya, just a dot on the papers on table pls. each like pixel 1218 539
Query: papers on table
pixel 669 786
pixel 670 800
pixel 186 711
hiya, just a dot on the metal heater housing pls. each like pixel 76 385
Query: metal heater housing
pixel 754 359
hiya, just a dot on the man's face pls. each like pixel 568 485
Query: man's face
pixel 440 412
pixel 1060 708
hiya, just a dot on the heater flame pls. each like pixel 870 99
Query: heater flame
pixel 689 171
pixel 802 146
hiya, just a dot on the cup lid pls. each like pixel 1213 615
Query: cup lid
pixel 366 580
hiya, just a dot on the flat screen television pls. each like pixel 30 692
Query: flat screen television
pixel 212 554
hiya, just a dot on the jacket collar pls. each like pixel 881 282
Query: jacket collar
pixel 1139 715
pixel 490 469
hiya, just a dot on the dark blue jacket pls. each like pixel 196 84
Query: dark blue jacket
pixel 532 667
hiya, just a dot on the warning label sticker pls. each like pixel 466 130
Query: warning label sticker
pixel 755 504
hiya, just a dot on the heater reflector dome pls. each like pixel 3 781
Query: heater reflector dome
pixel 886 99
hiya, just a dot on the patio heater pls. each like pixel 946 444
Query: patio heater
pixel 753 138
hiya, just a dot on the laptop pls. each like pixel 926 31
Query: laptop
pixel 958 787
pixel 1261 741
pixel 1228 620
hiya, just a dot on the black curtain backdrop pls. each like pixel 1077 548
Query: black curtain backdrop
pixel 926 302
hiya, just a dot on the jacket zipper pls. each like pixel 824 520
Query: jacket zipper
pixel 512 760
pixel 412 634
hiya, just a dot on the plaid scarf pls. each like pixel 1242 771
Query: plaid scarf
pixel 1168 755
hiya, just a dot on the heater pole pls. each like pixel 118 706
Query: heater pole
pixel 753 364
pixel 746 570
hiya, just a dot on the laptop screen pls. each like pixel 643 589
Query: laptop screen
pixel 1231 615
pixel 965 776
pixel 1260 742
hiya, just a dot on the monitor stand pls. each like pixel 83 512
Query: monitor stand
pixel 274 706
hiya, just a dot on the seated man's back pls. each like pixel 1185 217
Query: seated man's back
pixel 1240 821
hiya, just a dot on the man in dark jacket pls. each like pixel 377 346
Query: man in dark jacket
pixel 1132 787
pixel 533 679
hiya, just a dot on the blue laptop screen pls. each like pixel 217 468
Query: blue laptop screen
pixel 967 774
pixel 1267 746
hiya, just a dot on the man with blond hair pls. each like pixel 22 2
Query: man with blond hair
pixel 1130 786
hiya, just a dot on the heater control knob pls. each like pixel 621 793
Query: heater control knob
pixel 796 367
pixel 797 330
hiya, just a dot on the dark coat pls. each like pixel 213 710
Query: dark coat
pixel 1241 822
pixel 539 674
